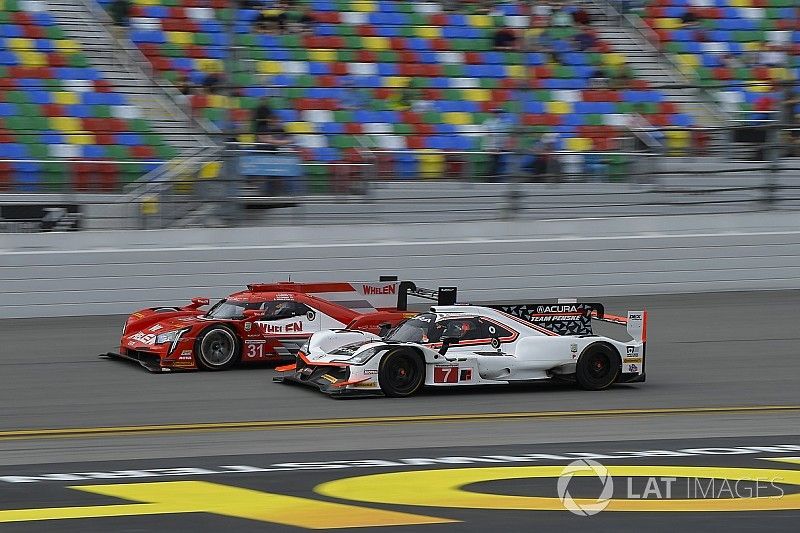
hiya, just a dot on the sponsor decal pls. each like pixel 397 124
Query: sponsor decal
pixel 386 289
pixel 445 374
pixel 465 374
pixel 424 318
pixel 311 315
pixel 186 352
pixel 551 309
pixel 182 363
pixel 292 327
pixel 635 316
pixel 632 369
pixel 284 297
pixel 370 371
pixel 248 326
pixel 366 385
pixel 144 338
pixel 156 327
pixel 632 360
pixel 328 377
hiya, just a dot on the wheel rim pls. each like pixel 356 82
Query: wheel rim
pixel 402 374
pixel 217 347
pixel 599 366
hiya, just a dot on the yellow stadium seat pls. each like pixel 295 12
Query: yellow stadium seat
pixel 65 124
pixel 559 108
pixel 365 6
pixel 219 101
pixel 753 46
pixel 476 95
pixel 210 170
pixel 65 98
pixel 375 43
pixel 20 43
pixel 179 37
pixel 395 81
pixel 67 45
pixel 480 21
pixel 690 61
pixel 149 2
pixel 516 71
pixel 246 138
pixel 668 23
pixel 579 144
pixel 740 3
pixel 428 32
pixel 322 55
pixel 613 59
pixel 82 138
pixel 779 74
pixel 210 65
pixel 457 118
pixel 300 128
pixel 32 59
pixel 677 141
pixel 268 67
pixel 431 164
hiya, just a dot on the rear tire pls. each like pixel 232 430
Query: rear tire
pixel 401 373
pixel 598 367
pixel 217 348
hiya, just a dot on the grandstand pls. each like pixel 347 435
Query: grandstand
pixel 407 87
pixel 62 124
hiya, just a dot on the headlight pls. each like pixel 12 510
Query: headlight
pixel 171 337
pixel 361 357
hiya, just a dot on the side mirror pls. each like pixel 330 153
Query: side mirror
pixel 250 314
pixel 198 302
pixel 384 328
pixel 447 341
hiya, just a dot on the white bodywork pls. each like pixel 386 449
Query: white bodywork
pixel 525 352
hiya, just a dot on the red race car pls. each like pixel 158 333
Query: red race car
pixel 266 322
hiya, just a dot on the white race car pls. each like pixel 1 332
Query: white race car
pixel 458 345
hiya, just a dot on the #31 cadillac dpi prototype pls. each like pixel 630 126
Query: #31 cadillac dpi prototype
pixel 458 345
pixel 266 322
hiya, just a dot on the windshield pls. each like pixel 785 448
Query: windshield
pixel 228 309
pixel 416 329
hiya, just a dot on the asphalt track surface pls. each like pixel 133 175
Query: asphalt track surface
pixel 722 365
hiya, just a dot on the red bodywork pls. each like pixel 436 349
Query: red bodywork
pixel 259 340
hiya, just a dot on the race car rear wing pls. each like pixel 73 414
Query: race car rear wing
pixel 568 317
pixel 387 294
pixel 442 295
pixel 565 317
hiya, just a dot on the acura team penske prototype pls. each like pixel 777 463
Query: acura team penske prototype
pixel 266 322
pixel 460 345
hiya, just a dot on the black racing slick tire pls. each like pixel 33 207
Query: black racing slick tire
pixel 598 367
pixel 217 348
pixel 401 373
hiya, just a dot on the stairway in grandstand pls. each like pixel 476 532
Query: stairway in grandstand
pixel 645 60
pixel 129 73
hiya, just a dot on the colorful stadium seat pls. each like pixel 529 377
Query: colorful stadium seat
pixel 350 78
pixel 722 49
pixel 54 106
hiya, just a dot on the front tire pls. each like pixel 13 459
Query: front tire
pixel 401 373
pixel 217 348
pixel 598 367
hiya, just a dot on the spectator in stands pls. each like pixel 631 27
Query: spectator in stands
pixel 730 61
pixel 621 77
pixel 213 82
pixel 545 163
pixel 120 15
pixel 184 88
pixel 497 132
pixel 261 117
pixel 276 136
pixel 581 17
pixel 772 56
pixel 402 99
pixel 307 20
pixel 690 19
pixel 353 96
pixel 584 41
pixel 560 17
pixel 419 104
pixel 791 117
pixel 598 79
pixel 504 39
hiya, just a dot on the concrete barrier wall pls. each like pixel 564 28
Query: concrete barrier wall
pixel 88 273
